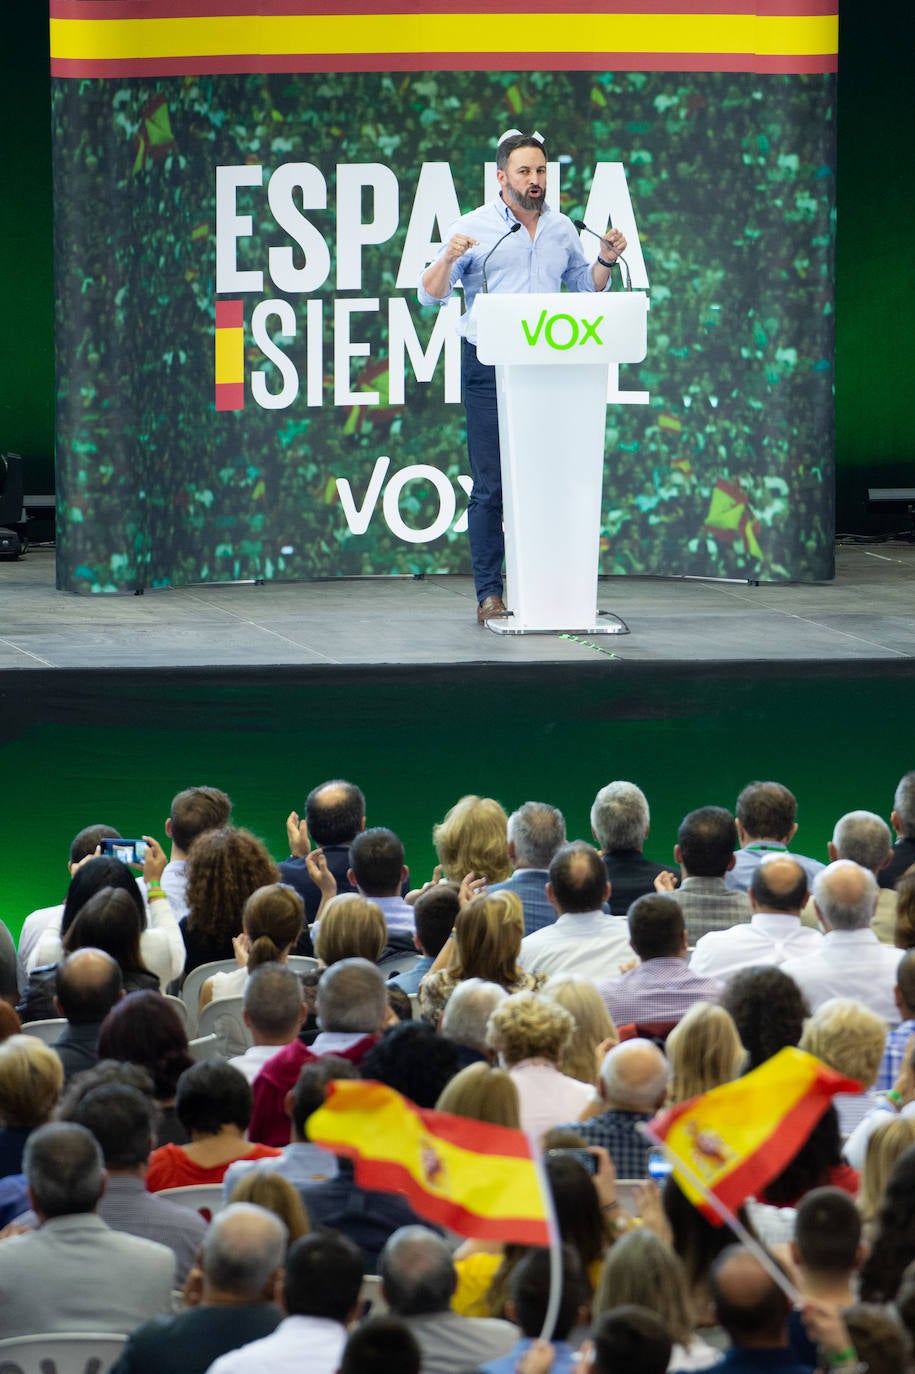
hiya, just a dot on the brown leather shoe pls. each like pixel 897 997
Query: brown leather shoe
pixel 489 608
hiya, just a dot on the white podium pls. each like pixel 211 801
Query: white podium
pixel 552 353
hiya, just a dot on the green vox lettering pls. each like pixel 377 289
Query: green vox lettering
pixel 562 331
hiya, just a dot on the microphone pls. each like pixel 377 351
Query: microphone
pixel 581 226
pixel 513 230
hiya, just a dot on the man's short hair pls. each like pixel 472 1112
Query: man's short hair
pixel 63 1164
pixel 334 812
pixel 620 817
pixel 87 841
pixel 767 811
pixel 323 1276
pixel 377 859
pixel 513 143
pixel 381 1345
pixel 89 982
pixel 195 810
pixel 536 830
pixel 529 1286
pixel 468 1010
pixel 351 997
pixel 243 1247
pixel 707 838
pixel 772 886
pixel 864 837
pixel 904 805
pixel 656 927
pixel 417 1272
pixel 213 1094
pixel 846 895
pixel 273 1000
pixel 122 1121
pixel 435 912
pixel 633 1339
pixel 414 1061
pixel 749 1305
pixel 578 877
pixel 827 1231
pixel 311 1088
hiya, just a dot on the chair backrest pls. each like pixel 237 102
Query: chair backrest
pixel 179 1006
pixel 225 1019
pixel 205 1198
pixel 399 962
pixel 49 1031
pixel 61 1352
pixel 205 1047
pixel 371 1296
pixel 190 989
pixel 302 963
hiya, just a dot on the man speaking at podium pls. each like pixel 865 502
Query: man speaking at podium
pixel 486 251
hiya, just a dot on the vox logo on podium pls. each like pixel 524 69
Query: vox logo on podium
pixel 562 331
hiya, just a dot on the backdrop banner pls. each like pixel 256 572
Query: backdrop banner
pixel 246 195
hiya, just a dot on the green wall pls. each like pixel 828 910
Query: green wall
pixel 876 266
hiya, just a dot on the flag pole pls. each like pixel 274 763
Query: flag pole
pixel 555 1247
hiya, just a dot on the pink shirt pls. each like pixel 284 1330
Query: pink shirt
pixel 548 1098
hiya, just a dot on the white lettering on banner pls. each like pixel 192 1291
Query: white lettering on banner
pixel 352 230
pixel 282 311
pixel 230 227
pixel 304 177
pixel 358 518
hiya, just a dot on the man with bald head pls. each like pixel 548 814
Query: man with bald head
pixel 775 933
pixel 850 961
pixel 754 1311
pixel 632 1087
pixel 89 982
pixel 584 938
pixel 334 816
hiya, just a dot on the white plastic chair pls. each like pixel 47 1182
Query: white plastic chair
pixel 49 1031
pixel 205 1198
pixel 62 1352
pixel 225 1019
pixel 190 990
pixel 179 1006
pixel 302 963
pixel 371 1296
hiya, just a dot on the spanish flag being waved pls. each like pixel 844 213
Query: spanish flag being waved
pixel 475 1179
pixel 736 1138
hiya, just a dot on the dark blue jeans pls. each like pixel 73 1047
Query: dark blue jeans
pixel 484 510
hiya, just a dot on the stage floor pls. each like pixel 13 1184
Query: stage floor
pixel 867 613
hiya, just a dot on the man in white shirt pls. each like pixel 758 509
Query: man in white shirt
pixel 778 891
pixel 321 1286
pixel 850 961
pixel 273 1012
pixel 585 938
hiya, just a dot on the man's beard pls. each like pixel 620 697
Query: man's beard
pixel 525 202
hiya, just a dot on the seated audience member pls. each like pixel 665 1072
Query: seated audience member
pixel 900 1099
pixel 849 961
pixel 378 872
pixel 159 947
pixel 300 1162
pixel 31 1077
pixel 435 912
pixel 487 941
pixel 703 1051
pixel 466 1017
pixel 143 1028
pixel 662 987
pixel 826 1254
pixel 595 1032
pixel 122 1120
pixel 99 1278
pixel 9 1021
pixel 632 1088
pixel 766 824
pixel 400 1008
pixel 83 846
pixel 321 1283
pixel 89 984
pixel 904 929
pixel 192 813
pixel 893 1248
pixel 864 838
pixel 535 832
pixel 334 816
pixel 775 933
pixel 380 1345
pixel 898 1038
pixel 620 822
pixel 482 1093
pixel 698 1243
pixel 768 1009
pixel 528 1033
pixel 264 1187
pixel 418 1279
pixel 224 867
pixel 628 1338
pixel 705 852
pixel 273 1012
pixel 819 1163
pixel 643 1270
pixel 213 1103
pixel 352 1006
pixel 903 822
pixel 526 1307
pixel 584 938
pixel 849 1038
pixel 891 1138
pixel 473 838
pixel 230 1300
pixel 880 1342
pixel 271 924
pixel 351 927
pixel 754 1311
pixel 9 988
pixel 414 1061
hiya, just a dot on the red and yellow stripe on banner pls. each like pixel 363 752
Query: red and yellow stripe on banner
pixel 97 38
pixel 230 355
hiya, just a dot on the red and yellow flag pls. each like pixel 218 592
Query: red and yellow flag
pixel 476 1179
pixel 736 1138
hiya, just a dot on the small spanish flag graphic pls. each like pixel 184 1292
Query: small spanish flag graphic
pixel 476 1179
pixel 230 355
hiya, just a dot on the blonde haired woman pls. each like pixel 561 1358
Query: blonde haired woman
pixel 272 920
pixel 351 927
pixel 704 1051
pixel 891 1139
pixel 850 1038
pixel 487 942
pixel 595 1032
pixel 31 1077
pixel 473 838
pixel 529 1033
pixel 482 1093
